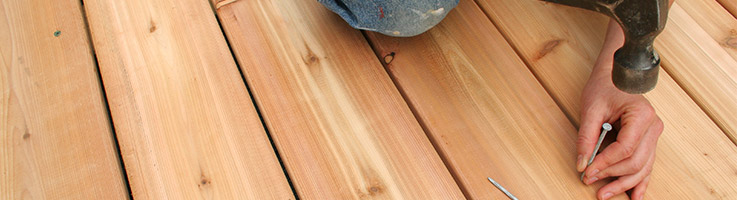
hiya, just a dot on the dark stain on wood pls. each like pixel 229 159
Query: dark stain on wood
pixel 26 135
pixel 548 47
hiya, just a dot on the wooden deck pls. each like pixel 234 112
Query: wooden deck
pixel 281 99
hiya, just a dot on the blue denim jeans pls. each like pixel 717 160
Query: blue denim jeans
pixel 401 18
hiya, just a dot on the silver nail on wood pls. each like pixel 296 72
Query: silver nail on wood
pixel 606 127
pixel 512 197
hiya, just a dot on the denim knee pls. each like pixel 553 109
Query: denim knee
pixel 402 18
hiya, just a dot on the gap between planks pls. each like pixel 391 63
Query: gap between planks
pixel 216 7
pixel 116 143
pixel 415 114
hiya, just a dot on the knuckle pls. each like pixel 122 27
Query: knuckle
pixel 649 113
pixel 637 166
pixel 583 139
pixel 627 150
pixel 658 125
pixel 607 160
pixel 648 169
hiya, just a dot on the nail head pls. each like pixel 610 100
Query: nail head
pixel 607 126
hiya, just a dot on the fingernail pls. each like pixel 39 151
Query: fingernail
pixel 591 180
pixel 593 172
pixel 641 197
pixel 607 195
pixel 580 166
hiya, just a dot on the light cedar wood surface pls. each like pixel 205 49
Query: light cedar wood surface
pixel 56 141
pixel 699 49
pixel 342 129
pixel 186 124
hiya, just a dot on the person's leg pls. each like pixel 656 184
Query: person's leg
pixel 402 18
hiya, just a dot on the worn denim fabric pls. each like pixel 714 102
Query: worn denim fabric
pixel 402 18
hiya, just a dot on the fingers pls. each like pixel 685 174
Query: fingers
pixel 645 152
pixel 639 192
pixel 588 135
pixel 624 168
pixel 634 126
pixel 625 183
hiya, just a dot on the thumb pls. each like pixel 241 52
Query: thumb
pixel 588 135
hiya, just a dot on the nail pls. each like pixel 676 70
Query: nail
pixel 580 165
pixel 591 180
pixel 607 195
pixel 593 173
pixel 606 128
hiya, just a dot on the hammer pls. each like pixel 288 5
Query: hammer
pixel 636 64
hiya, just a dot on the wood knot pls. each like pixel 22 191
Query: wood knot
pixel 204 181
pixel 731 42
pixel 26 136
pixel 153 27
pixel 388 58
pixel 547 48
pixel 310 58
pixel 375 190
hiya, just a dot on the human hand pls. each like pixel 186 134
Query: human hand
pixel 631 156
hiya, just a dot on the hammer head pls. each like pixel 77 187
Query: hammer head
pixel 636 64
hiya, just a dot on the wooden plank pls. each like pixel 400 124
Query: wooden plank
pixel 700 51
pixel 186 125
pixel 485 111
pixel 730 5
pixel 561 44
pixel 55 135
pixel 341 126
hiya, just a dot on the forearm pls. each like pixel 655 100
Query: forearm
pixel 613 41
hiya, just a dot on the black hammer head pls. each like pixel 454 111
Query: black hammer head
pixel 636 64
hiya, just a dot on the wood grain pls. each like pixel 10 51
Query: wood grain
pixel 186 125
pixel 56 141
pixel 561 44
pixel 699 49
pixel 730 5
pixel 339 123
pixel 485 111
